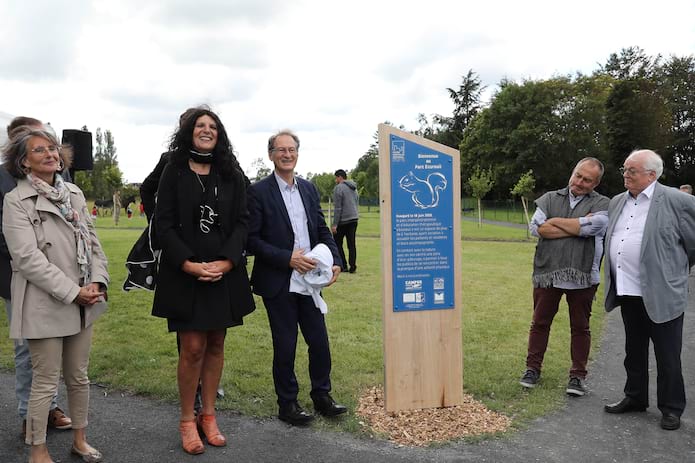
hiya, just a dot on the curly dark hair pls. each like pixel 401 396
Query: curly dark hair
pixel 181 143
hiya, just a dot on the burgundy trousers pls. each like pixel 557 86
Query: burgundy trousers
pixel 546 302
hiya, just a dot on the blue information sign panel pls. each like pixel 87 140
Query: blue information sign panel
pixel 422 221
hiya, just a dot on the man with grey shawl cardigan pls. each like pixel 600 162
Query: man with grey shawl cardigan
pixel 570 224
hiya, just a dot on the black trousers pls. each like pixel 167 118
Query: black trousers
pixel 347 231
pixel 667 339
pixel 285 312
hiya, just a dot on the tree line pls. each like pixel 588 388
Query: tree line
pixel 526 139
pixel 533 132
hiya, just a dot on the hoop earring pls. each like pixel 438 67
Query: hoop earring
pixel 61 166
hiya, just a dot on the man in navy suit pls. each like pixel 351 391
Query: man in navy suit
pixel 286 223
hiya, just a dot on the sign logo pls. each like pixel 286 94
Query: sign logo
pixel 398 150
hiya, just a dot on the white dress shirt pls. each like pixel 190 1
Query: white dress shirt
pixel 295 209
pixel 626 242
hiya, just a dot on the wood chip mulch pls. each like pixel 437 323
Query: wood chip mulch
pixel 431 425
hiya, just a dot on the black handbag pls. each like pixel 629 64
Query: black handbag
pixel 142 263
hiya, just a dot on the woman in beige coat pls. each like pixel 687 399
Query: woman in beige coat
pixel 59 278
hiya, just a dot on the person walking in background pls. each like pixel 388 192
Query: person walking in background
pixel 651 246
pixel 201 222
pixel 570 224
pixel 58 284
pixel 287 223
pixel 57 419
pixel 686 189
pixel 116 206
pixel 345 217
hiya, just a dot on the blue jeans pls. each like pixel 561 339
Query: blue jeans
pixel 22 369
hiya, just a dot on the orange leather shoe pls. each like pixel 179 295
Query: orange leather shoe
pixel 58 419
pixel 208 425
pixel 190 439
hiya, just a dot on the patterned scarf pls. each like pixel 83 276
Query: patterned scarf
pixel 59 195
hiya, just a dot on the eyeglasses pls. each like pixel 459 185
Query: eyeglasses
pixel 631 172
pixel 284 150
pixel 43 149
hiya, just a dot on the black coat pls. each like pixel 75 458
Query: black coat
pixel 7 184
pixel 148 189
pixel 174 225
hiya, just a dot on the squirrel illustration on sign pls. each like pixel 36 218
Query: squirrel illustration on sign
pixel 425 193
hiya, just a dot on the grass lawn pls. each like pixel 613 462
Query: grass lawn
pixel 133 350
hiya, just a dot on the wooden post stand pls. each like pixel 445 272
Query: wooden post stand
pixel 420 204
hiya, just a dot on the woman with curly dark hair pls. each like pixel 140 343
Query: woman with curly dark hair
pixel 201 222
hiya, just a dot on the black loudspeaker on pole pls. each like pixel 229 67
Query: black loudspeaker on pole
pixel 81 142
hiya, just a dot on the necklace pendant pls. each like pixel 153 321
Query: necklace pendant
pixel 200 181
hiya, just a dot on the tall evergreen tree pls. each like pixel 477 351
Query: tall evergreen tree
pixel 467 103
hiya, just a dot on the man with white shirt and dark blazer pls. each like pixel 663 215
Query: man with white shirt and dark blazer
pixel 650 247
pixel 286 223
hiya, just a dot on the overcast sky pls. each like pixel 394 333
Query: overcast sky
pixel 329 70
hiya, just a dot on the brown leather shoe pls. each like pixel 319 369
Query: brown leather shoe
pixel 57 419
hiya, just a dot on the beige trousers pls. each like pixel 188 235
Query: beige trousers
pixel 47 357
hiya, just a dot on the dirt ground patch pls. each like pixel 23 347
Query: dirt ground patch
pixel 430 425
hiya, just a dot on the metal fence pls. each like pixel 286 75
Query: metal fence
pixel 508 210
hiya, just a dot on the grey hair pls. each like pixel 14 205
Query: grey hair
pixel 652 161
pixel 288 132
pixel 593 161
pixel 15 150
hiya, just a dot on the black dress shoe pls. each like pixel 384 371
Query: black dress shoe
pixel 624 406
pixel 670 422
pixel 293 414
pixel 326 406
